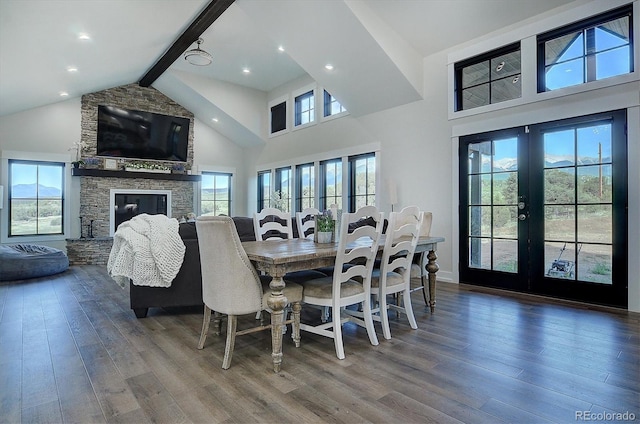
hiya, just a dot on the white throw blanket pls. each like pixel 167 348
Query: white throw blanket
pixel 148 250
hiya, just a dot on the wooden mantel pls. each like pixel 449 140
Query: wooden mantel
pixel 84 172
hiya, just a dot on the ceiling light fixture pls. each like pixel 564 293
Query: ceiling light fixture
pixel 197 56
pixel 280 48
pixel 84 37
pixel 72 69
pixel 214 119
pixel 328 67
pixel 63 94
pixel 246 71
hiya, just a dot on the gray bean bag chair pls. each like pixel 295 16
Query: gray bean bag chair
pixel 22 261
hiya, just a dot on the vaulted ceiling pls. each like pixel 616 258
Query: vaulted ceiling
pixel 376 47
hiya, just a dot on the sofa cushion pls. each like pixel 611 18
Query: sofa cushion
pixel 187 231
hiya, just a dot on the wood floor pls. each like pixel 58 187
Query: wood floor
pixel 71 350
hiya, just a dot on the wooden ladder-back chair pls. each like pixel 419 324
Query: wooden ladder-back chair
pixel 394 274
pixel 350 285
pixel 306 222
pixel 272 224
pixel 231 285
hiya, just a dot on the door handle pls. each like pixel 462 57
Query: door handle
pixel 522 217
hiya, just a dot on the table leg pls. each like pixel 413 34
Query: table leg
pixel 432 269
pixel 276 302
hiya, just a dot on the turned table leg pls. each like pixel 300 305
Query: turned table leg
pixel 432 269
pixel 276 302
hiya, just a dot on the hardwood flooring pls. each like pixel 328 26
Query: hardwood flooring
pixel 71 350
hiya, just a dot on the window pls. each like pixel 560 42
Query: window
pixel 331 105
pixel 362 181
pixel 264 189
pixel 36 193
pixel 215 194
pixel 282 200
pixel 331 184
pixel 490 78
pixel 305 193
pixel 589 50
pixel 278 117
pixel 304 108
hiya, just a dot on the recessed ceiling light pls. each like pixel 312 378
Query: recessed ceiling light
pixel 72 69
pixel 246 71
pixel 280 48
pixel 63 94
pixel 214 119
pixel 83 36
pixel 328 67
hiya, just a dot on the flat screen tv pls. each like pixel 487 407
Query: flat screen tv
pixel 141 135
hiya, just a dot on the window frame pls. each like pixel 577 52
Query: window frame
pixel 277 185
pixel 63 188
pixel 352 196
pixel 322 183
pixel 277 102
pixel 229 202
pixel 484 57
pixel 326 117
pixel 583 26
pixel 299 197
pixel 312 88
pixel 261 190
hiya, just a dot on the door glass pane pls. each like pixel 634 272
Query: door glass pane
pixel 559 148
pixel 559 222
pixel 505 255
pixel 505 155
pixel 594 184
pixel 559 186
pixel 480 221
pixel 480 253
pixel 505 188
pixel 560 260
pixel 480 189
pixel 505 221
pixel 595 224
pixel 595 262
pixel 479 157
pixel 594 144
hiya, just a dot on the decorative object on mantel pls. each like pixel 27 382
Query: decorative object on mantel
pixel 324 227
pixel 92 162
pixel 178 168
pixel 77 146
pixel 110 164
pixel 147 167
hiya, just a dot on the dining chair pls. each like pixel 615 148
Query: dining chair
pixel 306 223
pixel 231 285
pixel 272 224
pixel 394 274
pixel 349 285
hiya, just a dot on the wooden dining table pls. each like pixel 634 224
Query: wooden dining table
pixel 276 258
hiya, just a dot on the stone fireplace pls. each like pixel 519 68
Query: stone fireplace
pixel 125 204
pixel 96 183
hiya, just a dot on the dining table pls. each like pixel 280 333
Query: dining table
pixel 278 257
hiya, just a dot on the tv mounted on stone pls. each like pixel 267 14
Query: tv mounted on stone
pixel 137 134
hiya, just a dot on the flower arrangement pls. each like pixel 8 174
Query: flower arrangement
pixel 77 146
pixel 148 165
pixel 325 222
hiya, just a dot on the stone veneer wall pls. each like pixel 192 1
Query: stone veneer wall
pixel 95 198
pixel 94 191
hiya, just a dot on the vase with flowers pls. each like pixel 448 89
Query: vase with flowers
pixel 324 227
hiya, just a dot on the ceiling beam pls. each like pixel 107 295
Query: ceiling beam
pixel 188 37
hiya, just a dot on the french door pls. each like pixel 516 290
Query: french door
pixel 543 209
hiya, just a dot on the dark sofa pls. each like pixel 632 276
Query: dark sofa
pixel 186 288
